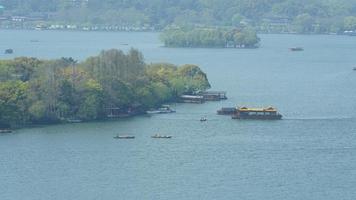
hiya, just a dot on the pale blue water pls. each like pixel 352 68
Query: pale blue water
pixel 309 155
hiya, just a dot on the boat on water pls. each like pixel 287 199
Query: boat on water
pixel 162 110
pixel 161 136
pixel 296 49
pixel 9 51
pixel 269 113
pixel 203 119
pixel 5 131
pixel 74 121
pixel 227 111
pixel 124 137
pixel 354 69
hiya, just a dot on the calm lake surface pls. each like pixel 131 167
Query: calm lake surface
pixel 309 155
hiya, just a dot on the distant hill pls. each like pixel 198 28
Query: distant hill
pixel 303 16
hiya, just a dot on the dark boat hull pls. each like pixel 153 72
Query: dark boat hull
pixel 124 137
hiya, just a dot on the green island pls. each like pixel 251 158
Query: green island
pixel 210 37
pixel 35 91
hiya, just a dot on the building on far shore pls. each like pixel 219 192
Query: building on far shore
pixel 78 3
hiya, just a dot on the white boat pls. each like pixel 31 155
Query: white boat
pixel 162 110
pixel 74 121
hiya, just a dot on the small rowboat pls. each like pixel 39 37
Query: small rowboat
pixel 203 119
pixel 9 51
pixel 124 137
pixel 161 136
pixel 5 131
pixel 296 49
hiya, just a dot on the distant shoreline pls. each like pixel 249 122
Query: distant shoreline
pixel 159 31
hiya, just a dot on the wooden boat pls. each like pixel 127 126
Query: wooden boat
pixel 296 49
pixel 124 137
pixel 5 131
pixel 203 119
pixel 257 113
pixel 161 136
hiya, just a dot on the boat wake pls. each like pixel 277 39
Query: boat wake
pixel 320 118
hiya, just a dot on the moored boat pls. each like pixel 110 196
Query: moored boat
pixel 124 137
pixel 162 110
pixel 227 111
pixel 269 113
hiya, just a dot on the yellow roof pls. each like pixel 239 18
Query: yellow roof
pixel 269 109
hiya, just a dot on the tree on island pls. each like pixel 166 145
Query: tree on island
pixel 49 91
pixel 210 37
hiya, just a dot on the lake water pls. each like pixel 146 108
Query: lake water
pixel 309 155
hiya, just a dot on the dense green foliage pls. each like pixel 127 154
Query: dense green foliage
pixel 48 91
pixel 266 15
pixel 210 37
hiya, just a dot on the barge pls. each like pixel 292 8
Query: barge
pixel 269 113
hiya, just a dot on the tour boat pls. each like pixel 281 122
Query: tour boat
pixel 269 113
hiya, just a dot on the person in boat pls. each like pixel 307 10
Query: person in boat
pixel 203 119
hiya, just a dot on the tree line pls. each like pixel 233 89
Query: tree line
pixel 34 91
pixel 302 16
pixel 210 37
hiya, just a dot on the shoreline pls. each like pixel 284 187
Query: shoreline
pixel 160 31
